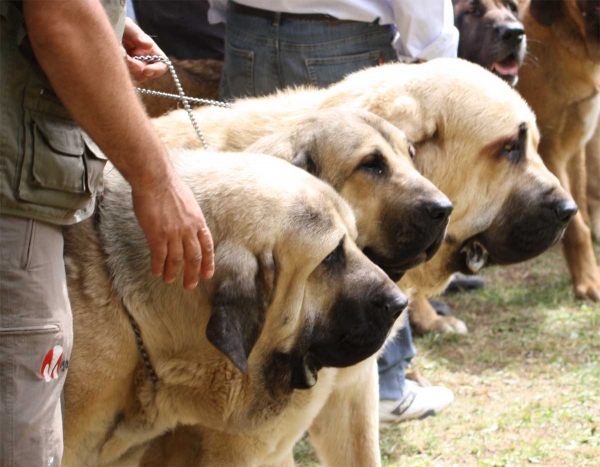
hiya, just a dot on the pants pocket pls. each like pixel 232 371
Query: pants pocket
pixel 62 167
pixel 323 72
pixel 32 374
pixel 238 72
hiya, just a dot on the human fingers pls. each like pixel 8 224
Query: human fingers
pixel 192 261
pixel 135 37
pixel 158 253
pixel 155 70
pixel 136 69
pixel 208 254
pixel 174 259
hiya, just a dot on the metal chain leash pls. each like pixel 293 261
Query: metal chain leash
pixel 185 100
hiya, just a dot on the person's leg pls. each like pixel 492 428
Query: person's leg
pixel 36 337
pixel 181 28
pixel 393 363
pixel 402 399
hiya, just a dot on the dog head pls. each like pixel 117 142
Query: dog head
pixel 290 283
pixel 401 216
pixel 508 206
pixel 491 35
pixel 573 20
pixel 289 277
pixel 476 140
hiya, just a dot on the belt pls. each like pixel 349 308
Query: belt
pixel 259 13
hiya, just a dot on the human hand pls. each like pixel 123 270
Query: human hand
pixel 176 231
pixel 137 42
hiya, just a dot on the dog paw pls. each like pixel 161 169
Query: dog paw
pixel 449 324
pixel 588 292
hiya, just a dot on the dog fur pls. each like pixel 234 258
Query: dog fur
pixel 492 36
pixel 264 336
pixel 592 157
pixel 562 84
pixel 476 139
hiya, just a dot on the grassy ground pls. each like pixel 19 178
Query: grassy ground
pixel 526 378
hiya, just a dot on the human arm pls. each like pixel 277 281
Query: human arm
pixel 426 28
pixel 79 52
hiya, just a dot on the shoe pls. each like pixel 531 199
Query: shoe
pixel 419 402
pixel 462 283
pixel 441 308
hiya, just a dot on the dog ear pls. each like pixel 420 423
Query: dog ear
pixel 546 12
pixel 305 161
pixel 240 303
pixel 304 372
pixel 292 149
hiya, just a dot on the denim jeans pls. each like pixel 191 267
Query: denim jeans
pixel 264 55
pixel 392 365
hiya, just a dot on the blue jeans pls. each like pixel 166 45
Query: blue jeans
pixel 392 365
pixel 263 55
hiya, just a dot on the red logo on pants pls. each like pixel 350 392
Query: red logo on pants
pixel 51 364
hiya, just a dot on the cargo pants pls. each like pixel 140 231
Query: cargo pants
pixel 36 337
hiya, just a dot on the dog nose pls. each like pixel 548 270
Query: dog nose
pixel 565 210
pixel 440 210
pixel 390 303
pixel 512 33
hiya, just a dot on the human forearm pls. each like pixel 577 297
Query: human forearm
pixel 77 48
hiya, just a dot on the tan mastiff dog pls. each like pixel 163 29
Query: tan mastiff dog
pixel 475 139
pixel 401 216
pixel 561 84
pixel 292 300
pixel 492 36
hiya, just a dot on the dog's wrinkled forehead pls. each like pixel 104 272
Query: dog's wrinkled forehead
pixel 318 220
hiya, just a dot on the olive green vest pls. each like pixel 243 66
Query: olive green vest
pixel 50 169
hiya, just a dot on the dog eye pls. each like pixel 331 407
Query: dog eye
pixel 337 258
pixel 474 8
pixel 374 163
pixel 412 151
pixel 513 7
pixel 512 151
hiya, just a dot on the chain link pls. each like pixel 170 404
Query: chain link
pixel 185 100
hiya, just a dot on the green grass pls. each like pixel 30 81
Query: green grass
pixel 526 378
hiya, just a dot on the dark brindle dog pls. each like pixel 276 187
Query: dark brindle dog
pixel 491 35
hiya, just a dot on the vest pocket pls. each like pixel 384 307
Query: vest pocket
pixel 62 167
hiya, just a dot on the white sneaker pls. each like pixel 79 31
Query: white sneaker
pixel 419 402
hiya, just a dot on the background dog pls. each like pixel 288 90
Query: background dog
pixel 491 35
pixel 592 154
pixel 292 299
pixel 561 84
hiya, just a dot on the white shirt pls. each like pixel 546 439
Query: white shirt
pixel 425 27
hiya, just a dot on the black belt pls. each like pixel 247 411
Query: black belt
pixel 259 13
